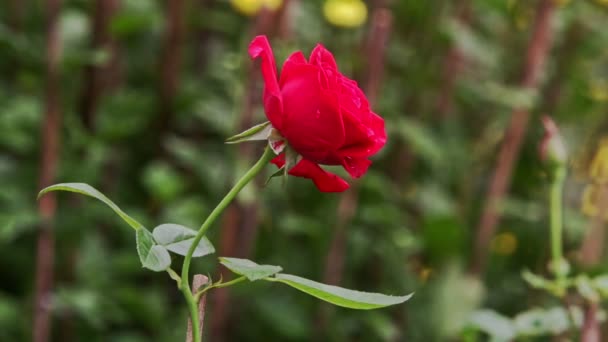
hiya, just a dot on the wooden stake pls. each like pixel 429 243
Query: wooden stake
pixel 48 168
pixel 198 283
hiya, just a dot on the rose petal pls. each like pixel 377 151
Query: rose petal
pixel 289 69
pixel 279 160
pixel 377 125
pixel 362 140
pixel 260 48
pixel 353 99
pixel 313 120
pixel 356 167
pixel 323 180
pixel 321 57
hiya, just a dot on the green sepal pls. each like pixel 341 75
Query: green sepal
pixel 257 132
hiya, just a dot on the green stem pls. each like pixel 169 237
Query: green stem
pixel 193 309
pixel 185 283
pixel 557 186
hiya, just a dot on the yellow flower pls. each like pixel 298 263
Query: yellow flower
pixel 590 201
pixel 598 89
pixel 599 165
pixel 589 206
pixel 504 243
pixel 252 7
pixel 345 13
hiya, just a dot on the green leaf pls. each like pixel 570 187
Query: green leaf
pixel 585 288
pixel 88 190
pixel 423 141
pixel 508 96
pixel 178 239
pixel 151 255
pixel 257 132
pixel 499 327
pixel 554 321
pixel 538 282
pixel 340 296
pixel 471 43
pixel 250 269
pixel 600 283
pixel 534 280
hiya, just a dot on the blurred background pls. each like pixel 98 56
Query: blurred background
pixel 136 98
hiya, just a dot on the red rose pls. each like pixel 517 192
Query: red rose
pixel 322 114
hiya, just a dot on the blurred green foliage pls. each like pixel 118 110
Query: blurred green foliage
pixel 418 206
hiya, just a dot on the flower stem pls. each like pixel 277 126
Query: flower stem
pixel 194 314
pixel 558 264
pixel 185 284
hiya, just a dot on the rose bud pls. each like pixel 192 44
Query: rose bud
pixel 552 148
pixel 321 114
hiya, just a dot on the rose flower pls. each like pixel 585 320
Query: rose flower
pixel 320 113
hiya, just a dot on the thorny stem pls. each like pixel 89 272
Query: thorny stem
pixel 185 284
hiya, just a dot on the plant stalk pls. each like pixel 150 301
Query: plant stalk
pixel 185 284
pixel 558 263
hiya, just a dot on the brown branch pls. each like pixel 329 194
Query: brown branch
pixel 170 63
pixel 220 298
pixel 96 76
pixel 15 19
pixel 285 21
pixel 593 245
pixel 376 45
pixel 538 49
pixel 453 65
pixel 50 155
pixel 202 37
pixel 591 325
pixel 15 24
pixel 198 282
pixel 566 56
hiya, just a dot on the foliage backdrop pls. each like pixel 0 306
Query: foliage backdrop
pixel 148 92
